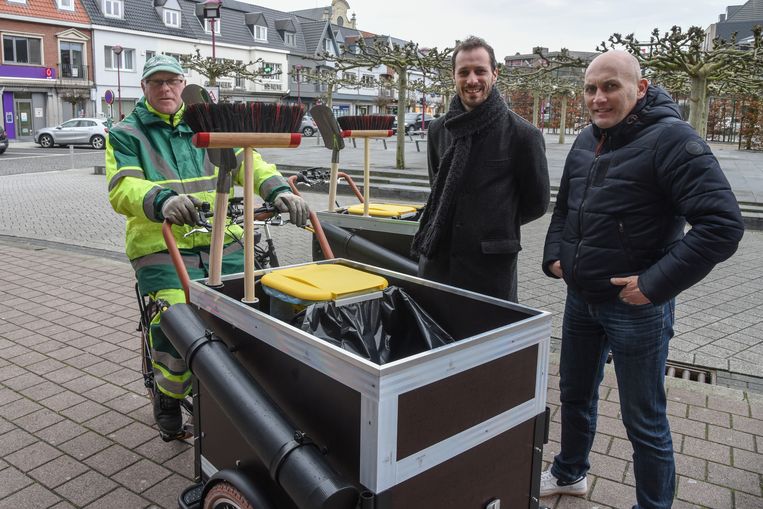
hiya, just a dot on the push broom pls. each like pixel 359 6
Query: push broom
pixel 366 127
pixel 247 125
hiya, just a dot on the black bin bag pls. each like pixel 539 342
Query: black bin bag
pixel 380 330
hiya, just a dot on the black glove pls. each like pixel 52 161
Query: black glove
pixel 295 206
pixel 181 209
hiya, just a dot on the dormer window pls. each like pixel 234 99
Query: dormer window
pixel 287 31
pixel 172 18
pixel 65 5
pixel 112 8
pixel 257 25
pixel 208 26
pixel 260 33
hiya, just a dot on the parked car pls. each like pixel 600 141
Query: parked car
pixel 3 141
pixel 308 127
pixel 413 122
pixel 77 131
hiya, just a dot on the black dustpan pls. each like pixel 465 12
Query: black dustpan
pixel 332 138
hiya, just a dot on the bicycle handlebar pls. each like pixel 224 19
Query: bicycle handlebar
pixel 313 176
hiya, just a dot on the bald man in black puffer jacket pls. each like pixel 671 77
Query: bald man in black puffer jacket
pixel 631 182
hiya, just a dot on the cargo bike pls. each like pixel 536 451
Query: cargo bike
pixel 287 416
pixel 340 384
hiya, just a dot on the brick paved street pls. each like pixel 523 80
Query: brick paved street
pixel 75 426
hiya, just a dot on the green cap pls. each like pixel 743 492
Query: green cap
pixel 161 63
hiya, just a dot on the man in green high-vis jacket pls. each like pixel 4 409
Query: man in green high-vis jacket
pixel 154 173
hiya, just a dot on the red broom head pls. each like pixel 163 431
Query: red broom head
pixel 366 122
pixel 251 117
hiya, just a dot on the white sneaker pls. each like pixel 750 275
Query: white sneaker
pixel 550 485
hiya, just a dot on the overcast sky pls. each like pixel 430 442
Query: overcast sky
pixel 516 26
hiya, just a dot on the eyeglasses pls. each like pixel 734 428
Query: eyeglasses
pixel 172 82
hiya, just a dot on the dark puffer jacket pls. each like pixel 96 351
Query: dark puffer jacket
pixel 625 195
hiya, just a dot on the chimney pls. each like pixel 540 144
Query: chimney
pixel 721 18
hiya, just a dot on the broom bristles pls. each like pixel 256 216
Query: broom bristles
pixel 366 122
pixel 251 117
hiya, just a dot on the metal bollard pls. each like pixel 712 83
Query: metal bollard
pixel 71 156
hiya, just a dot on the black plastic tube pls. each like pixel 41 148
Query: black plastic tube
pixel 354 244
pixel 295 463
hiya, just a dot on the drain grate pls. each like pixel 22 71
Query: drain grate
pixel 685 372
pixel 678 370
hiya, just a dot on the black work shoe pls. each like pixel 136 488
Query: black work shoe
pixel 167 415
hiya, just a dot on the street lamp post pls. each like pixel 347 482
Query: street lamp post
pixel 118 52
pixel 211 11
pixel 299 96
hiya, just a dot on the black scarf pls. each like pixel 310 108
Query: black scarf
pixel 462 125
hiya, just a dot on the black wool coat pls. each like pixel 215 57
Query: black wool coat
pixel 625 196
pixel 505 185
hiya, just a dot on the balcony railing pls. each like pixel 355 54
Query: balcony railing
pixel 73 72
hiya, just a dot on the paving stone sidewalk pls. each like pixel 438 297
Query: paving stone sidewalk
pixel 76 428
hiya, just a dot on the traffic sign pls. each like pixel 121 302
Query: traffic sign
pixel 109 97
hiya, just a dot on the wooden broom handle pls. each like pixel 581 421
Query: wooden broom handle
pixel 332 185
pixel 366 177
pixel 249 297
pixel 367 133
pixel 259 140
pixel 218 239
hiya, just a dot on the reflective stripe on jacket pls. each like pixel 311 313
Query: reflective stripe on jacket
pixel 149 157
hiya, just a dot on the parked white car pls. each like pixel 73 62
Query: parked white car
pixel 77 131
pixel 308 127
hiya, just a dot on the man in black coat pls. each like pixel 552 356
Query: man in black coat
pixel 631 182
pixel 487 167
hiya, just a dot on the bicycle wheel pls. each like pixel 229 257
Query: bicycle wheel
pixel 147 311
pixel 225 496
pixel 265 258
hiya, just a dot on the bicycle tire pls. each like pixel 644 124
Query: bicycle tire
pixel 225 496
pixel 147 310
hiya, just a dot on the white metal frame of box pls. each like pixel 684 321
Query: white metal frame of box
pixel 381 385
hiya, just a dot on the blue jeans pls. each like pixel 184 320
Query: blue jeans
pixel 638 337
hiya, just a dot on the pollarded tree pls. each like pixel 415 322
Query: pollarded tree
pixel 212 69
pixel 549 76
pixel 680 53
pixel 332 78
pixel 401 58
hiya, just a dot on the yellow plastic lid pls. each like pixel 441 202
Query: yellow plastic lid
pixel 384 210
pixel 323 282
